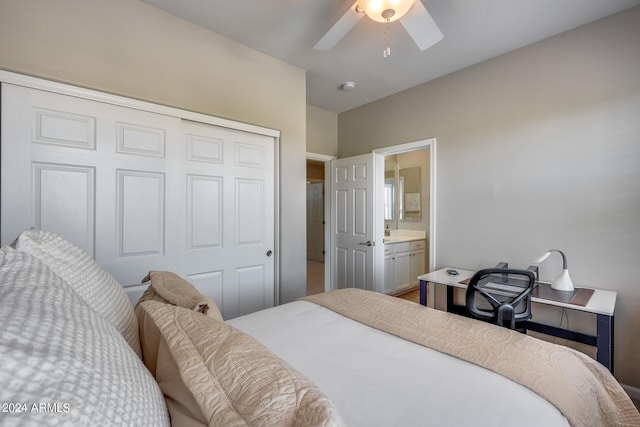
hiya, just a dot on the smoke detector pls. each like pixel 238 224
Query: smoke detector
pixel 348 86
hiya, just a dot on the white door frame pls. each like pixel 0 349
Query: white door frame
pixel 413 146
pixel 327 212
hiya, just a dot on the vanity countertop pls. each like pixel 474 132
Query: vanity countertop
pixel 400 239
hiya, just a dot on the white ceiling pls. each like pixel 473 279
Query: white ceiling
pixel 474 31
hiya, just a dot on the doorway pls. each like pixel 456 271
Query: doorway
pixel 407 194
pixel 317 165
pixel 375 204
pixel 422 155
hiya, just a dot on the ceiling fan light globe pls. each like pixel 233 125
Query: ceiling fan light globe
pixel 379 10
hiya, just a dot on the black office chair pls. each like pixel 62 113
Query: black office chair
pixel 501 296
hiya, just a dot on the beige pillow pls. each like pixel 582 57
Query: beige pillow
pixel 170 288
pixel 96 286
pixel 231 378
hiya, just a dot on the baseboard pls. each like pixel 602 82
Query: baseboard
pixel 633 392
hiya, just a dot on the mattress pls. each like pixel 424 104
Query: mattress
pixel 377 379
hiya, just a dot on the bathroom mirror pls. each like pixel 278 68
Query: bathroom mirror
pixel 389 196
pixel 409 194
pixel 389 189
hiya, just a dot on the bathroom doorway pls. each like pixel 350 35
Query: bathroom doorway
pixel 413 208
pixel 316 223
pixel 407 187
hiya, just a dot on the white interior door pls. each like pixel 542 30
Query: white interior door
pixel 357 250
pixel 229 222
pixel 143 191
pixel 315 221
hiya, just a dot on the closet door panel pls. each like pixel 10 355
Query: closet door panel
pixel 204 149
pixel 49 166
pixel 140 213
pixel 64 200
pixel 230 222
pixel 204 211
pixel 94 173
pixel 63 128
pixel 143 191
pixel 139 201
pixel 250 289
pixel 250 200
pixel 210 284
pixel 140 140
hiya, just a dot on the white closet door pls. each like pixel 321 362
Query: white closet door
pixel 142 191
pixel 97 174
pixel 229 224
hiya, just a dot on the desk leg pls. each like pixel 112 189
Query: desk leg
pixel 423 292
pixel 604 341
pixel 450 305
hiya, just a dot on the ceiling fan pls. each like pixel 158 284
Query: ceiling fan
pixel 411 13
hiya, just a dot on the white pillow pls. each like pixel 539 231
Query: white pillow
pixel 94 284
pixel 60 355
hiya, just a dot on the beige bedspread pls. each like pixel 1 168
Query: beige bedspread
pixel 581 388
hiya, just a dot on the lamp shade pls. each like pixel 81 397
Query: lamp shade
pixel 562 283
pixel 385 10
pixel 542 257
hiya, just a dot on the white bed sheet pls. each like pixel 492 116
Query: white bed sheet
pixel 377 379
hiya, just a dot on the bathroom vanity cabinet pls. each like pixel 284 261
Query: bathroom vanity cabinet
pixel 404 261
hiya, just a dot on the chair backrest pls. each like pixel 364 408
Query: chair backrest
pixel 501 296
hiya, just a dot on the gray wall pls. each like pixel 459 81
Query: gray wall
pixel 129 48
pixel 536 149
pixel 322 131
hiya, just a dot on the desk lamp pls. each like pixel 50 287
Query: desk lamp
pixel 562 283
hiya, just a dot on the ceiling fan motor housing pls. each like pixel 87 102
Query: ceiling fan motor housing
pixel 385 10
pixel 412 14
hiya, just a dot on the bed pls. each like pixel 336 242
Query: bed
pixel 73 351
pixel 388 380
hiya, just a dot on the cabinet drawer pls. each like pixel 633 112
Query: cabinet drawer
pixel 418 244
pixel 388 249
pixel 402 247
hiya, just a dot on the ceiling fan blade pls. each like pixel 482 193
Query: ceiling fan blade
pixel 340 28
pixel 421 26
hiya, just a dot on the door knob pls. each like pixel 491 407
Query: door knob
pixel 367 243
pixel 269 252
